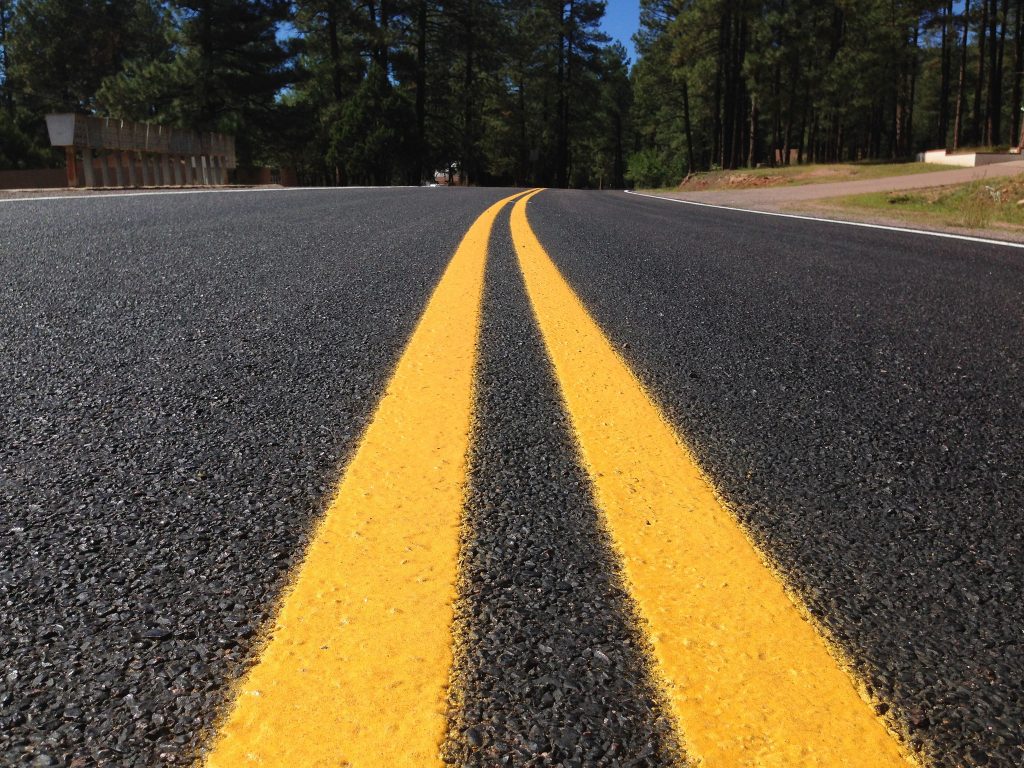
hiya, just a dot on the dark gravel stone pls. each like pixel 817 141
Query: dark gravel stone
pixel 858 398
pixel 181 380
pixel 541 589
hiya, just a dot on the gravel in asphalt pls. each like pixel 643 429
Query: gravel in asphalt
pixel 181 380
pixel 551 668
pixel 857 398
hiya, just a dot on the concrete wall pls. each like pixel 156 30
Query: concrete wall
pixel 967 159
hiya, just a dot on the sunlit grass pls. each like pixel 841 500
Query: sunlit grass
pixel 992 202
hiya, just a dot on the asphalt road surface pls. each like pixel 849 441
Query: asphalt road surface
pixel 184 380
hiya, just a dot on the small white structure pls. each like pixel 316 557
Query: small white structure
pixel 967 159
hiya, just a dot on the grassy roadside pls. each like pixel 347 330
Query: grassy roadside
pixel 980 204
pixel 795 175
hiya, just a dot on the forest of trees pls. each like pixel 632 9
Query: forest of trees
pixel 731 83
pixel 526 92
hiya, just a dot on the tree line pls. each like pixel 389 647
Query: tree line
pixel 526 92
pixel 730 83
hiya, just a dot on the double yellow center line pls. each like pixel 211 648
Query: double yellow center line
pixel 355 668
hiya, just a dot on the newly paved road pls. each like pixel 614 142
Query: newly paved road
pixel 183 380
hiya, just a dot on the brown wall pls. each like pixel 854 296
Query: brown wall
pixel 286 177
pixel 48 178
pixel 53 178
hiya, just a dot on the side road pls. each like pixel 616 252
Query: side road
pixel 772 198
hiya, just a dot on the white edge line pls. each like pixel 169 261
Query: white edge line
pixel 865 225
pixel 161 193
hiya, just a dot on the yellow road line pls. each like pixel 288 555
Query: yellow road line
pixel 356 669
pixel 750 681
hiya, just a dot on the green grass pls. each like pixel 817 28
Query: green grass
pixel 977 205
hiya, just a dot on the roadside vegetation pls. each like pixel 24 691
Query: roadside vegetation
pixel 991 203
pixel 798 175
pixel 722 85
pixel 526 92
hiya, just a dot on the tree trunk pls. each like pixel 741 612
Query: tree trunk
pixel 813 140
pixel 335 50
pixel 7 94
pixel 729 96
pixel 976 116
pixel 421 91
pixel 801 146
pixel 752 146
pixel 720 73
pixel 618 158
pixel 741 103
pixel 776 117
pixel 688 127
pixel 944 87
pixel 1018 63
pixel 996 87
pixel 570 47
pixel 961 90
pixel 908 145
pixel 562 129
pixel 469 169
pixel 787 136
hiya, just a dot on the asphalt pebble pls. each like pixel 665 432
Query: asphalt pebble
pixel 182 379
pixel 857 397
pixel 551 670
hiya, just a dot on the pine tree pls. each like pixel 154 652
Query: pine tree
pixel 6 91
pixel 222 70
pixel 62 50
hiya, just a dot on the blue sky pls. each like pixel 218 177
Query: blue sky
pixel 621 19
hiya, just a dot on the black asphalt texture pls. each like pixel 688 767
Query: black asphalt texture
pixel 181 380
pixel 183 377
pixel 857 396
pixel 551 669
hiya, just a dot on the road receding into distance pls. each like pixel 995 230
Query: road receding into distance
pixel 430 477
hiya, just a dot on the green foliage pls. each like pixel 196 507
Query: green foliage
pixel 649 168
pixel 525 92
pixel 6 18
pixel 61 50
pixel 20 146
pixel 777 81
pixel 375 91
pixel 221 69
pixel 367 140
